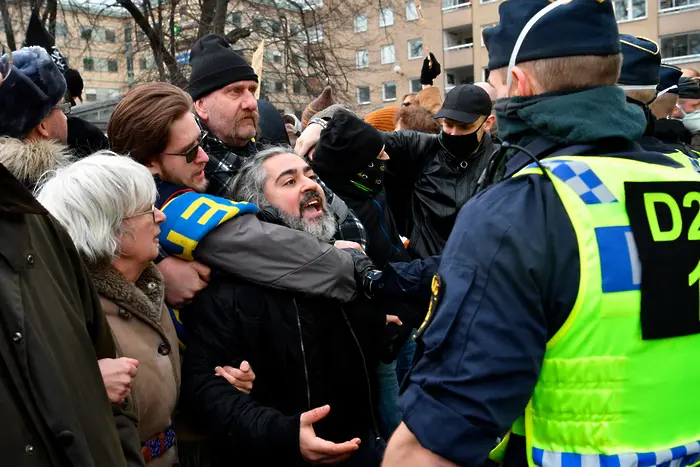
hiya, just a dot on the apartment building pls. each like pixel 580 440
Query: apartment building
pixel 451 30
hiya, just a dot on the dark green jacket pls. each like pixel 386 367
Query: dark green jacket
pixel 52 332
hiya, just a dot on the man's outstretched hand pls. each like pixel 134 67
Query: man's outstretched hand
pixel 241 378
pixel 319 451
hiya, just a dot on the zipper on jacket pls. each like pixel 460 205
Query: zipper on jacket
pixel 364 366
pixel 303 355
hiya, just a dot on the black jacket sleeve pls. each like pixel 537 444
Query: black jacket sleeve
pixel 215 335
pixel 409 151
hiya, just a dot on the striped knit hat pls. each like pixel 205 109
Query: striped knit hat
pixel 318 104
pixel 382 119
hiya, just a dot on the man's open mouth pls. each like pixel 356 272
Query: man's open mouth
pixel 312 206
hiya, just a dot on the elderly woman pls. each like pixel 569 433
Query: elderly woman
pixel 105 202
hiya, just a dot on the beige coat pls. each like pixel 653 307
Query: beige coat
pixel 143 330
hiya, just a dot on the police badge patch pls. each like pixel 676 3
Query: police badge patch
pixel 436 291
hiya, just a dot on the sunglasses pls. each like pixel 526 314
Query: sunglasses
pixel 191 153
pixel 64 108
pixel 152 212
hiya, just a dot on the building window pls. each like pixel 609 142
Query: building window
pixel 411 11
pixel 112 66
pixel 98 34
pixel 127 33
pixel 388 54
pixel 361 23
pixel 297 87
pixel 415 49
pixel 61 30
pixel 389 91
pixel 680 45
pixel 273 56
pixel 485 72
pixel 88 64
pixel 386 17
pixel 414 85
pixel 315 33
pixel 448 5
pixel 98 94
pixel 626 10
pixel 676 5
pixel 363 95
pixel 279 86
pixel 361 59
pixel 487 1
pixel 450 79
pixel 235 19
pixel 101 65
pixel 147 63
pixel 299 61
pixel 266 26
pixel 485 26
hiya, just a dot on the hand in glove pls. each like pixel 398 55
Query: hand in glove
pixel 431 69
pixel 365 271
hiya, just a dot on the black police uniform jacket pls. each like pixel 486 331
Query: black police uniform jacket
pixel 427 186
pixel 305 352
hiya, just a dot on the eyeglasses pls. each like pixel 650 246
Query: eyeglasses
pixel 191 153
pixel 64 107
pixel 6 62
pixel 152 212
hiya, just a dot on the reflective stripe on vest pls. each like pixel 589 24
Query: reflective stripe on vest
pixel 685 160
pixel 681 456
pixel 600 399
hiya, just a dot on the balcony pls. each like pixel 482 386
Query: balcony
pixel 456 13
pixel 677 6
pixel 458 46
pixel 460 75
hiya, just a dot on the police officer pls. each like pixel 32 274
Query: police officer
pixel 640 78
pixel 564 315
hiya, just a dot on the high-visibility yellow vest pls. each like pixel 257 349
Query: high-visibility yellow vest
pixel 606 397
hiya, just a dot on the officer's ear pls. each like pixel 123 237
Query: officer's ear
pixel 524 84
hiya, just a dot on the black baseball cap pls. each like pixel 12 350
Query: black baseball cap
pixel 465 103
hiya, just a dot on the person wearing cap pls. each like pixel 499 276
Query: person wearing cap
pixel 222 86
pixel 669 130
pixel 640 79
pixel 562 295
pixel 437 173
pixel 54 330
pixel 33 116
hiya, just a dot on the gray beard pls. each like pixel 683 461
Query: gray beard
pixel 323 228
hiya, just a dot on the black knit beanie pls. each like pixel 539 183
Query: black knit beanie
pixel 215 65
pixel 347 145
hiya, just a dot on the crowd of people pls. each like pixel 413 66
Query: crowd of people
pixel 506 275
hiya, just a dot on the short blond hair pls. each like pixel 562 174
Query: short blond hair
pixel 642 95
pixel 578 72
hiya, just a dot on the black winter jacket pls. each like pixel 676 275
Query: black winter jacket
pixel 305 354
pixel 427 186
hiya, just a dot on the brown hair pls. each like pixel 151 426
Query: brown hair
pixel 416 118
pixel 140 124
pixel 578 72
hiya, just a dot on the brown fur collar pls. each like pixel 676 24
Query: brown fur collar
pixel 144 298
pixel 29 160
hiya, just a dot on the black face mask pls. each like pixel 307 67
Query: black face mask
pixel 371 179
pixel 461 146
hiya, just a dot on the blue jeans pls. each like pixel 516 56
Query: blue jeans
pixel 404 361
pixel 389 415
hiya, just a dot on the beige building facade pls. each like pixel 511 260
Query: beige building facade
pixel 452 31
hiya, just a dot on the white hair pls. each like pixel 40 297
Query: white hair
pixel 92 196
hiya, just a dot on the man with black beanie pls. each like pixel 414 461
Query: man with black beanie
pixel 222 86
pixel 350 157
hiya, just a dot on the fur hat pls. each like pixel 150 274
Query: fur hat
pixel 321 102
pixel 429 99
pixel 382 119
pixel 30 92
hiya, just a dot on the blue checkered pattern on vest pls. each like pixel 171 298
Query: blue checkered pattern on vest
pixel 680 456
pixel 581 178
